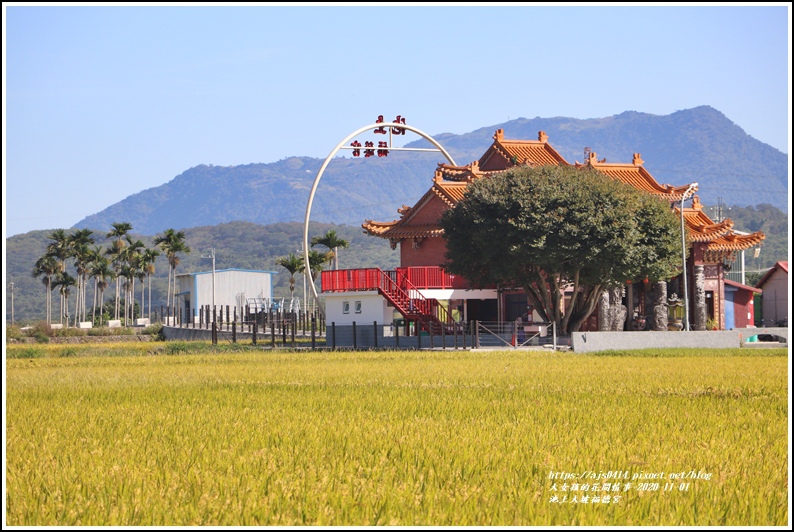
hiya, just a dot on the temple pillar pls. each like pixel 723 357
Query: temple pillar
pixel 603 311
pixel 617 310
pixel 659 307
pixel 700 298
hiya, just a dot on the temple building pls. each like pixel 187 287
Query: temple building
pixel 421 291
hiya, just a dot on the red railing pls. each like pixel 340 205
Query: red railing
pixel 351 280
pixel 420 277
pixel 395 286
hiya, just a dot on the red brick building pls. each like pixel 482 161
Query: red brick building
pixel 420 282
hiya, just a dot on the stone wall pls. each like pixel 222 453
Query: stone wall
pixel 589 342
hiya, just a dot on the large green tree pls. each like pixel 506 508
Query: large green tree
pixel 556 228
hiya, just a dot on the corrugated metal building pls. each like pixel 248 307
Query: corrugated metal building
pixel 233 287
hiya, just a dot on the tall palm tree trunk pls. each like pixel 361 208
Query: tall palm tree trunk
pixel 101 304
pixel 93 306
pixel 49 300
pixel 168 292
pixel 149 315
pixel 118 292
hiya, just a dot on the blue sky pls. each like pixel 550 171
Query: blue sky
pixel 101 102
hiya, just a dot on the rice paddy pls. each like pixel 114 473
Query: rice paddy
pixel 191 436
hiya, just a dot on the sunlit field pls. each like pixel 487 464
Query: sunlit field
pixel 159 435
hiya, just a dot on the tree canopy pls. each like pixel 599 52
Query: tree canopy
pixel 546 229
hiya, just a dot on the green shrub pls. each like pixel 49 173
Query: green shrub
pixel 13 332
pixel 155 330
pixel 176 348
pixel 70 332
pixel 40 328
pixel 41 338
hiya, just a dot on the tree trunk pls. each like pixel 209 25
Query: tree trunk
pixel 603 311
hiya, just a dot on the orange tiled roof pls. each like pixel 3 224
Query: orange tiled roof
pixel 399 231
pixel 450 182
pixel 505 153
pixel 726 247
pixel 701 227
pixel 719 235
pixel 736 242
pixel 636 175
pixel 450 192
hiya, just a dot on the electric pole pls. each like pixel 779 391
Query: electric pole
pixel 212 256
pixel 12 302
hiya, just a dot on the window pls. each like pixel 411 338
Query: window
pixel 358 307
pixel 345 307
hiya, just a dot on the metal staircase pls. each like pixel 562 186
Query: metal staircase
pixel 428 312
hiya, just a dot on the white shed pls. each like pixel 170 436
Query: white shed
pixel 233 287
pixel 775 296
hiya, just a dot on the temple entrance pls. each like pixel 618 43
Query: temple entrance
pixel 515 306
pixel 482 310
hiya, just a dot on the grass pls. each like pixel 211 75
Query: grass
pixel 202 437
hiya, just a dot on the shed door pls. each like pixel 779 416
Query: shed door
pixel 730 322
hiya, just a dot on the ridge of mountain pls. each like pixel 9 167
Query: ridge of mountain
pixel 694 145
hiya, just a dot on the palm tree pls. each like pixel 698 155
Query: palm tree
pixel 163 242
pixel 120 229
pixel 128 272
pixel 172 243
pixel 63 282
pixel 134 260
pixel 149 258
pixel 293 265
pixel 317 261
pixel 333 243
pixel 81 252
pixel 47 266
pixel 102 273
pixel 59 247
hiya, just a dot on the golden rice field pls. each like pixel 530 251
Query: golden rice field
pixel 394 438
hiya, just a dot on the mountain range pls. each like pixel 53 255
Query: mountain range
pixel 694 145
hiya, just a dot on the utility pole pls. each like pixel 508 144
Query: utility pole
pixel 689 192
pixel 212 256
pixel 12 302
pixel 304 282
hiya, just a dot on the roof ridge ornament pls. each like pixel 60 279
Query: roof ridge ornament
pixel 637 160
pixel 543 137
pixel 499 136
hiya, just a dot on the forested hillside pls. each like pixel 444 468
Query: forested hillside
pixel 695 145
pixel 252 246
pixel 237 245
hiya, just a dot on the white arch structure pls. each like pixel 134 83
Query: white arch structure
pixel 341 146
